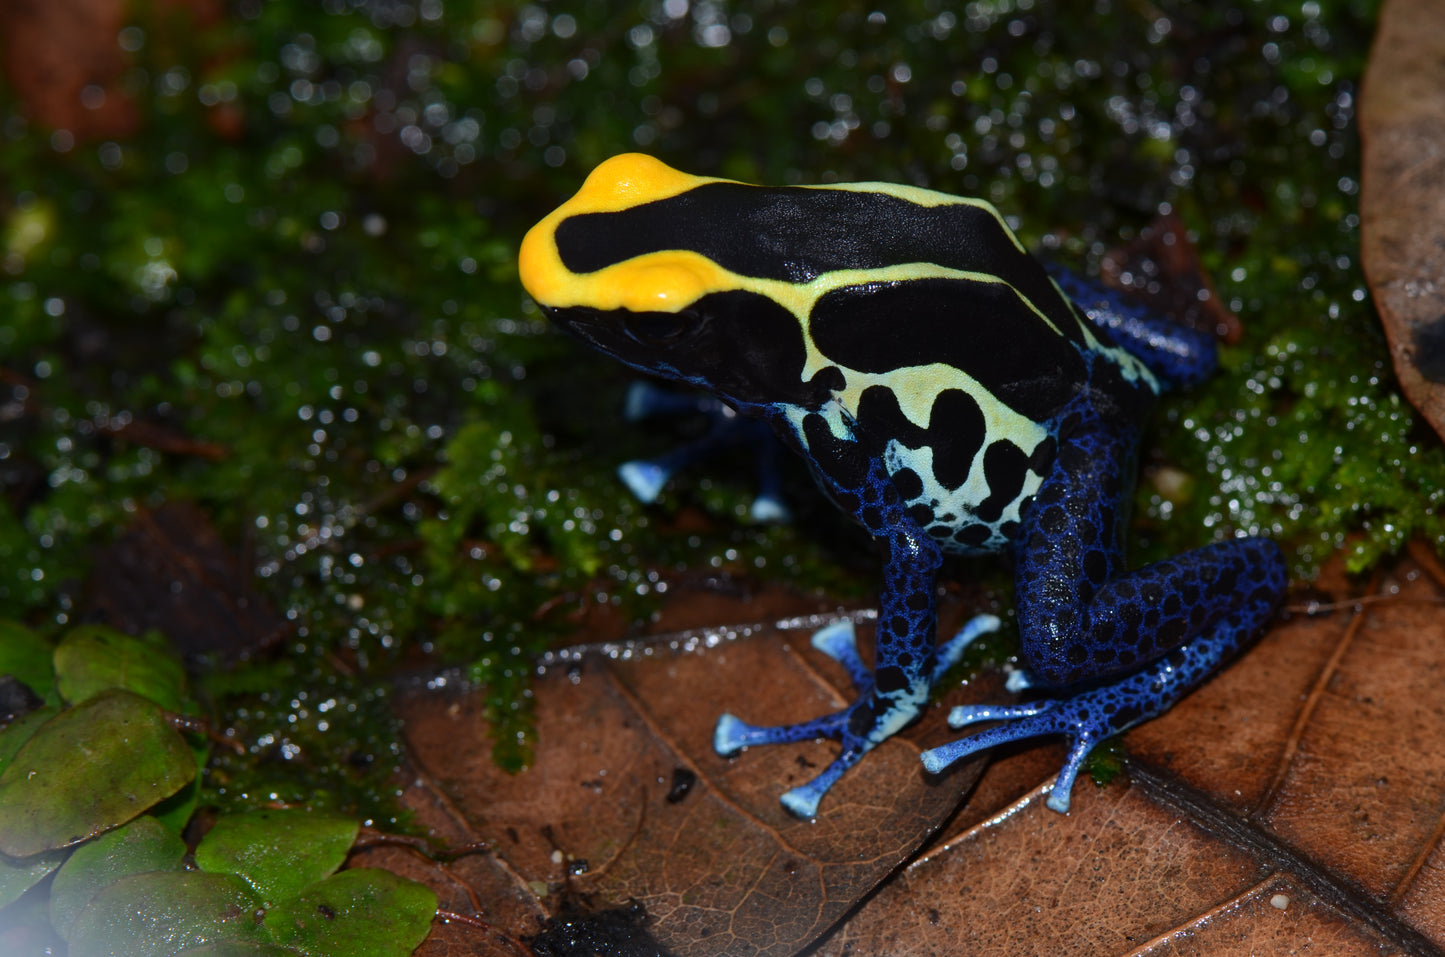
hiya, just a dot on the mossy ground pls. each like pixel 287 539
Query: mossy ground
pixel 305 259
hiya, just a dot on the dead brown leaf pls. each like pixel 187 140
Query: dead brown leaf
pixel 722 868
pixel 171 571
pixel 1402 202
pixel 1296 802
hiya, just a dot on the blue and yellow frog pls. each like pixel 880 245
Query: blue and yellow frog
pixel 951 395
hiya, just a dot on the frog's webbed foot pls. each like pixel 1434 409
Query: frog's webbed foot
pixel 1086 719
pixel 860 727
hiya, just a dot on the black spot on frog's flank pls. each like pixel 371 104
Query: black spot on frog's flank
pixel 839 459
pixel 682 782
pixel 1004 468
pixel 973 536
pixel 616 932
pixel 981 328
pixel 1043 455
pixel 1429 348
pixel 955 433
pixel 909 485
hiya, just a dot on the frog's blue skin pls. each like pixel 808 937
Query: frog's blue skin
pixel 949 395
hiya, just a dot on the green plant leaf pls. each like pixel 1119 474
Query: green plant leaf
pixel 27 657
pixel 18 875
pixel 177 809
pixel 88 769
pixel 92 658
pixel 279 852
pixel 364 912
pixel 165 912
pixel 17 732
pixel 135 848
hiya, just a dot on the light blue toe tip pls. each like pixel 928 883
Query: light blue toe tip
pixel 643 479
pixel 770 511
pixel 835 639
pixel 727 737
pixel 933 762
pixel 802 802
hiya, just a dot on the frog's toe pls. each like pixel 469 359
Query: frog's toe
pixel 643 479
pixel 770 510
pixel 1019 679
pixel 839 642
pixel 952 650
pixel 802 801
pixel 732 734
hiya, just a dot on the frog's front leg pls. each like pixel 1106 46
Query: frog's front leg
pixel 906 662
pixel 1126 644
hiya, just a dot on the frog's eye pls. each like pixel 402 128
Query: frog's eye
pixel 662 328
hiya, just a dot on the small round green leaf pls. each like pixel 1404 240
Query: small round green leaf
pixel 92 658
pixel 365 912
pixel 18 875
pixel 21 730
pixel 138 847
pixel 88 769
pixel 280 852
pixel 165 912
pixel 26 656
pixel 177 809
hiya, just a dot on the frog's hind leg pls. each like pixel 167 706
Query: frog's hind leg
pixel 907 663
pixel 1122 646
pixel 1179 356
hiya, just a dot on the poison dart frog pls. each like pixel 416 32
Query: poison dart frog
pixel 951 395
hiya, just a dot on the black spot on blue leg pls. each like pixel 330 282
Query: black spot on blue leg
pixel 891 679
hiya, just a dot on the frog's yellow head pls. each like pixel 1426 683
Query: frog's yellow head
pixel 561 275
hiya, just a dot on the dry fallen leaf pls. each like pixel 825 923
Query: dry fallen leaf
pixel 1402 199
pixel 1295 802
pixel 721 867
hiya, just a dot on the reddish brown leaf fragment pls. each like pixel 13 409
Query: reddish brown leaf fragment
pixel 1162 269
pixel 171 571
pixel 1363 794
pixel 1402 198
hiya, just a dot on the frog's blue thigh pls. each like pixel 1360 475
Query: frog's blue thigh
pixel 1128 644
